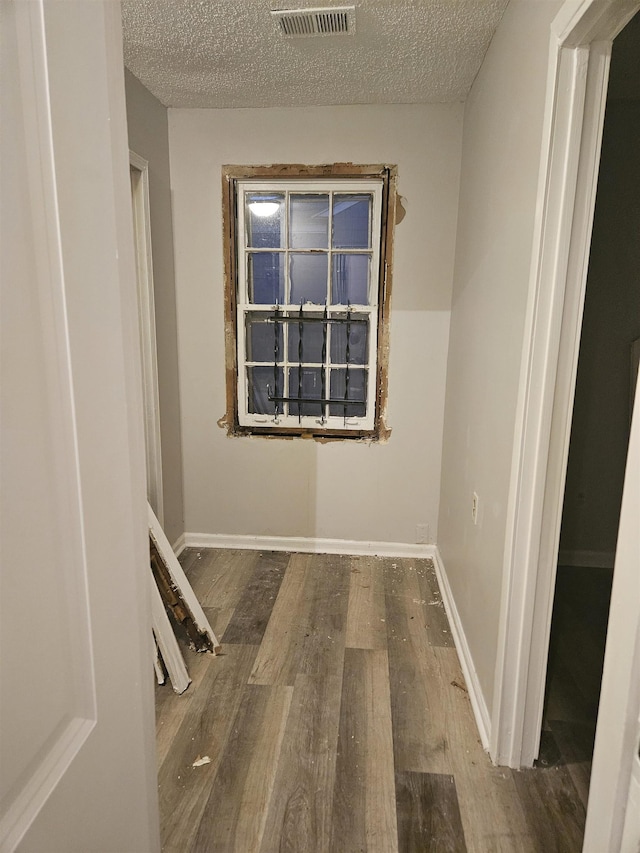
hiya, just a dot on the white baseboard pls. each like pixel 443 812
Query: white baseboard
pixel 587 559
pixel 306 544
pixel 480 710
pixel 179 545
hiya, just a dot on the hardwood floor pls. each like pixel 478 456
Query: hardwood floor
pixel 337 719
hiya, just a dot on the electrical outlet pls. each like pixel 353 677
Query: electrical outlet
pixel 422 534
pixel 474 507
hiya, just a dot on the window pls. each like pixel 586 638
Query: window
pixel 306 302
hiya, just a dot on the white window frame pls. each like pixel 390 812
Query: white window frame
pixel 328 186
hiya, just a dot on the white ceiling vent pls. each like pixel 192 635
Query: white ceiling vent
pixel 330 21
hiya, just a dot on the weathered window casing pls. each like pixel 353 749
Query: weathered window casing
pixel 307 290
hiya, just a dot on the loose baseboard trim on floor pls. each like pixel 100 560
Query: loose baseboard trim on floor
pixel 480 710
pixel 587 559
pixel 307 544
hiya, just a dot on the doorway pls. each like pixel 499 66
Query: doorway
pixel 599 428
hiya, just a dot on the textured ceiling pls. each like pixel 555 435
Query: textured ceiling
pixel 228 53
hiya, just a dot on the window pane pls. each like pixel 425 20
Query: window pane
pixel 350 280
pixel 261 384
pixel 312 337
pixel 265 220
pixel 261 338
pixel 357 390
pixel 351 221
pixel 310 387
pixel 353 336
pixel 308 221
pixel 308 279
pixel 266 278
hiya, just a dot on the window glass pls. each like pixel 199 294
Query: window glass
pixel 262 338
pixel 309 221
pixel 349 341
pixel 348 385
pixel 312 340
pixel 265 220
pixel 352 221
pixel 266 278
pixel 262 383
pixel 308 384
pixel 308 276
pixel 350 279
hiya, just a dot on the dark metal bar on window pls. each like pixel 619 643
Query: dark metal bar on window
pixel 323 371
pixel 347 354
pixel 300 328
pixel 295 318
pixel 276 358
pixel 323 401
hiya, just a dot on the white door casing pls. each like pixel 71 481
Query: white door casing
pixel 76 700
pixel 579 58
pixel 139 171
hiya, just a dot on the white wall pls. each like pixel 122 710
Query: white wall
pixel 500 163
pixel 149 138
pixel 298 487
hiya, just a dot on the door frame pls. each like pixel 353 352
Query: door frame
pixel 147 319
pixel 579 57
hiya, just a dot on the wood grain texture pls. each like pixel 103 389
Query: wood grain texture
pixel 428 814
pixel 366 614
pixel 490 809
pixel 554 812
pixel 419 724
pixel 184 789
pixel 281 637
pixel 317 746
pixel 253 610
pixel 364 815
pixel 306 633
pixel 300 813
pixel 234 816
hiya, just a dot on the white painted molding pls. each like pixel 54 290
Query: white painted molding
pixel 147 327
pixel 167 643
pixel 478 704
pixel 179 545
pixel 178 577
pixel 306 545
pixel 587 559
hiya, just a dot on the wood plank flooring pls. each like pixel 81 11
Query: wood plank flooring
pixel 337 720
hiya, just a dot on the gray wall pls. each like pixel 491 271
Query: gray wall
pixel 500 165
pixel 148 137
pixel 600 429
pixel 340 490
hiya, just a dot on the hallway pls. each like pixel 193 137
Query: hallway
pixel 337 719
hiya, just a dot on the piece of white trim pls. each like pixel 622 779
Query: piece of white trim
pixel 147 326
pixel 180 579
pixel 587 559
pixel 167 643
pixel 308 545
pixel 157 664
pixel 478 703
